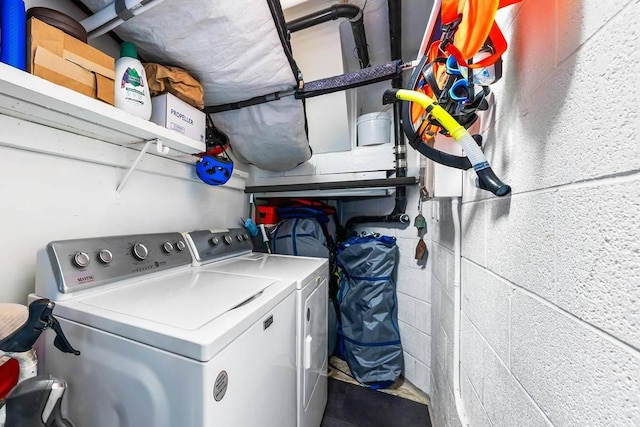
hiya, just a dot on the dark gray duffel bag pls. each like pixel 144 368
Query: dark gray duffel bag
pixel 300 237
pixel 369 332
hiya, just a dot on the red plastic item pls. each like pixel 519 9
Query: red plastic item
pixel 9 372
pixel 266 215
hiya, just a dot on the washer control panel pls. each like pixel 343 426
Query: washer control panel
pixel 86 263
pixel 209 245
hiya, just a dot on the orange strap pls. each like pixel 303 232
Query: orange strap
pixel 499 47
pixel 477 24
pixel 449 11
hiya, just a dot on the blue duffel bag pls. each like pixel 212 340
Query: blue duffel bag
pixel 370 339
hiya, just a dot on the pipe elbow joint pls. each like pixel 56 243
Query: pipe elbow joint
pixel 401 218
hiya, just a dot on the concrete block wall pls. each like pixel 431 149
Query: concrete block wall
pixel 413 282
pixel 550 330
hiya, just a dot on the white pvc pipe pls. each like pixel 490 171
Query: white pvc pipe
pixel 106 14
pixel 457 308
pixel 28 363
pixel 107 19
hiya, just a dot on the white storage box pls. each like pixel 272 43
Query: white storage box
pixel 173 113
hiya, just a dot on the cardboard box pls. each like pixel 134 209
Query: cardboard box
pixel 64 60
pixel 173 113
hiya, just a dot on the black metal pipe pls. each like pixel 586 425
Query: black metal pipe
pixel 360 39
pixel 349 11
pixel 401 218
pixel 395 28
pixel 395 37
pixel 337 185
pixel 398 214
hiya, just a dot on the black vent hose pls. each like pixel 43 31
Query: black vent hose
pixel 349 11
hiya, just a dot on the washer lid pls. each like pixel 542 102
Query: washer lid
pixel 189 313
pixel 265 265
pixel 186 301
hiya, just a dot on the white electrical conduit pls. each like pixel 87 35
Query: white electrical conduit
pixel 106 19
pixel 457 308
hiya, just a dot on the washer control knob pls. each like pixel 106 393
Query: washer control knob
pixel 227 239
pixel 105 256
pixel 240 238
pixel 214 241
pixel 167 247
pixel 245 236
pixel 180 246
pixel 140 251
pixel 81 259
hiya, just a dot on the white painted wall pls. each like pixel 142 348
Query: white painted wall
pixel 413 285
pixel 45 198
pixel 550 276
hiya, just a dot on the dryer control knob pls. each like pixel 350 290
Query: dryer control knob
pixel 228 239
pixel 81 259
pixel 239 237
pixel 245 236
pixel 167 247
pixel 214 241
pixel 105 256
pixel 180 246
pixel 140 251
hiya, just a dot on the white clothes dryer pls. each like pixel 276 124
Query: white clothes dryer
pixel 311 278
pixel 163 344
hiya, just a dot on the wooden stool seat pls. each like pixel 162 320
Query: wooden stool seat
pixel 12 317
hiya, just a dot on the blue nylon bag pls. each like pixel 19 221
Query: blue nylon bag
pixel 300 237
pixel 370 338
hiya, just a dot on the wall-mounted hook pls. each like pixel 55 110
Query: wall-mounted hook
pixel 160 148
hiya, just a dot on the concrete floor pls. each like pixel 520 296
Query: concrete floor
pixel 339 370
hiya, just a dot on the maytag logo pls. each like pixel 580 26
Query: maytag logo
pixel 181 116
pixel 85 279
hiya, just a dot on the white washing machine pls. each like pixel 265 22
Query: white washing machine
pixel 163 344
pixel 311 277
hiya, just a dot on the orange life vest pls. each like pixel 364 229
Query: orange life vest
pixel 467 27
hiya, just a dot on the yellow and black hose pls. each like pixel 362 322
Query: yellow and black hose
pixel 487 179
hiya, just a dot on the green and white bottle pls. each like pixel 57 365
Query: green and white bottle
pixel 131 87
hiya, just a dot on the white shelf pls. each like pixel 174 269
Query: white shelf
pixel 33 99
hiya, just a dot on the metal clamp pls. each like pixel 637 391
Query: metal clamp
pixel 122 11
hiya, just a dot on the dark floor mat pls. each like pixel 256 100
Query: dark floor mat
pixel 350 405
